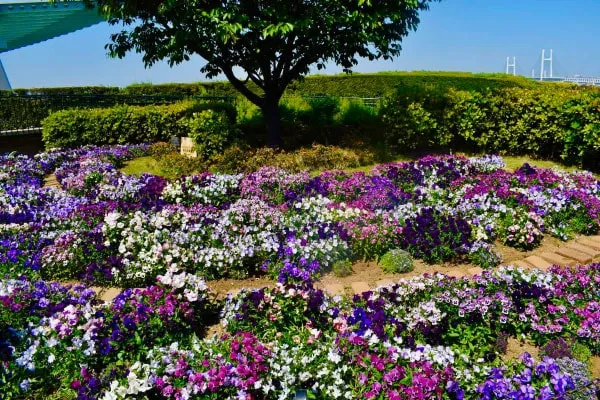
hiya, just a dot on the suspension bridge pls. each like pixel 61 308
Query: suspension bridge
pixel 27 22
pixel 546 72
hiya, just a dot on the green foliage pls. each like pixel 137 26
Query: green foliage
pixel 161 149
pixel 273 42
pixel 546 121
pixel 353 112
pixel 318 157
pixel 581 352
pixel 117 125
pixel 342 268
pixel 176 165
pixel 396 261
pixel 211 131
pixel 323 109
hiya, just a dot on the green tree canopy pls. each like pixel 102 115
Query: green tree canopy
pixel 272 41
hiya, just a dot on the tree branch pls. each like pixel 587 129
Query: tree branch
pixel 239 85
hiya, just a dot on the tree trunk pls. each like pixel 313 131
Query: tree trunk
pixel 273 119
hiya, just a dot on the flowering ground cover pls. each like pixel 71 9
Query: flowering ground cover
pixel 431 337
pixel 107 228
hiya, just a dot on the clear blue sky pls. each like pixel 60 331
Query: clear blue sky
pixel 454 35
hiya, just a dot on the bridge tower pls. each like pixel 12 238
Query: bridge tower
pixel 544 59
pixel 512 65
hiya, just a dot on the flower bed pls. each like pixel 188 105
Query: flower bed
pixel 431 337
pixel 107 228
pixel 427 338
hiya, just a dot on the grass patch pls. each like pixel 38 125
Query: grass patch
pixel 141 165
pixel 514 162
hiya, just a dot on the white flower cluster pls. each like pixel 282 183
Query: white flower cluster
pixel 138 381
pixel 487 163
pixel 426 312
pixel 214 191
pixel 290 367
pixel 440 355
pixel 194 287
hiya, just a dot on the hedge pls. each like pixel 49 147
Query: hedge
pixel 25 111
pixel 117 125
pixel 359 85
pixel 550 121
pixel 24 108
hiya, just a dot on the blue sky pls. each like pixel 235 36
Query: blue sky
pixel 454 35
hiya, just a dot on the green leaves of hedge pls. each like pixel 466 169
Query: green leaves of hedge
pixel 545 121
pixel 117 125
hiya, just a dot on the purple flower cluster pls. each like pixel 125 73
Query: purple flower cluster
pixel 529 380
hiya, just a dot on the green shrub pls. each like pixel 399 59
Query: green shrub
pixel 396 261
pixel 545 121
pixel 342 268
pixel 581 352
pixel 117 125
pixel 211 131
pixel 161 149
pixel 354 112
pixel 323 110
pixel 412 119
pixel 232 160
pixel 176 165
pixel 318 157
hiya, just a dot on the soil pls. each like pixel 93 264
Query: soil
pixel 371 273
pixel 221 287
pixel 595 367
pixel 509 254
pixel 516 347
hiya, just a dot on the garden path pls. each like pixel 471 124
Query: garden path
pixel 583 250
pixel 368 276
pixel 50 181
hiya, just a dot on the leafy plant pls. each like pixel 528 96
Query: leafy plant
pixel 211 131
pixel 342 268
pixel 161 149
pixel 175 165
pixel 396 261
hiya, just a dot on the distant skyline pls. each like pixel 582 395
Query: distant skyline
pixel 454 35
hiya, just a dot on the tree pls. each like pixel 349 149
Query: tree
pixel 273 41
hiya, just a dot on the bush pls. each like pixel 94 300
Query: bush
pixel 342 268
pixel 396 261
pixel 211 131
pixel 323 110
pixel 318 157
pixel 175 165
pixel 117 125
pixel 412 119
pixel 545 121
pixel 353 112
pixel 232 160
pixel 161 149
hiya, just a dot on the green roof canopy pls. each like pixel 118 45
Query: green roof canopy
pixel 27 22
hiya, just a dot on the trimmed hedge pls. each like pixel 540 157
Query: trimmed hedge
pixel 359 85
pixel 548 121
pixel 26 111
pixel 117 125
